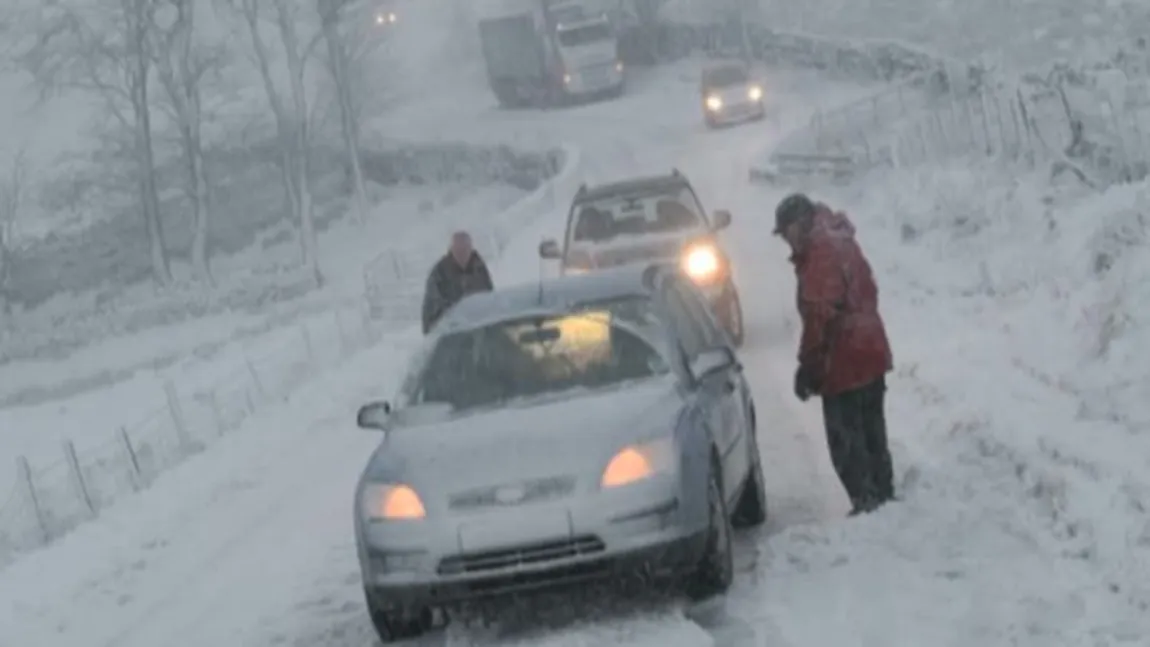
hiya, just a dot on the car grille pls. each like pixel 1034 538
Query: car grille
pixel 534 492
pixel 541 553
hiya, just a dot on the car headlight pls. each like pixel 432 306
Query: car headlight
pixel 640 462
pixel 701 263
pixel 391 502
pixel 714 103
pixel 755 93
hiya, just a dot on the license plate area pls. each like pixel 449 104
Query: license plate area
pixel 528 527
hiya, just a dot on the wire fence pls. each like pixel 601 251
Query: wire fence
pixel 1092 122
pixel 50 500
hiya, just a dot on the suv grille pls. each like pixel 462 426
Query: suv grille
pixel 521 555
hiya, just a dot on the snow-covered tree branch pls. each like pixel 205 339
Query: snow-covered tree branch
pixel 12 188
pixel 101 47
pixel 183 62
pixel 290 109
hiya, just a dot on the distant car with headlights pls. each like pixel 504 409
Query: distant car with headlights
pixel 384 14
pixel 578 430
pixel 646 219
pixel 731 95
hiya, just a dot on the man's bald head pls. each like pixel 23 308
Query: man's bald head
pixel 461 248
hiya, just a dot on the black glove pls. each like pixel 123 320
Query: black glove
pixel 805 385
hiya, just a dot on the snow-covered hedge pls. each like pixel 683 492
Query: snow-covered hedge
pixel 91 285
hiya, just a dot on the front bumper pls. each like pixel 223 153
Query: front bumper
pixel 736 112
pixel 640 535
pixel 593 80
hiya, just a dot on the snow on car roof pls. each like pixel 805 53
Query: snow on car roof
pixel 549 296
pixel 651 183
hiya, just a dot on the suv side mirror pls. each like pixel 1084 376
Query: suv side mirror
pixel 721 219
pixel 375 416
pixel 549 250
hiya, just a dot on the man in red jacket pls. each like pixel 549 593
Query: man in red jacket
pixel 844 354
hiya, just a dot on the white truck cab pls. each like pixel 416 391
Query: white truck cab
pixel 589 52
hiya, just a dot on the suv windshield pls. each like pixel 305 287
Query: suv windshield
pixel 726 76
pixel 609 218
pixel 595 346
pixel 576 36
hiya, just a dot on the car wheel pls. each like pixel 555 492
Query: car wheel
pixel 716 569
pixel 395 625
pixel 751 509
pixel 732 316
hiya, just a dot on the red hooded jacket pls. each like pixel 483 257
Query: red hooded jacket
pixel 844 344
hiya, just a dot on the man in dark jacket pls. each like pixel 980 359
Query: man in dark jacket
pixel 459 273
pixel 844 354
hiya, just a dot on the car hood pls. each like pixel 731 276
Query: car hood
pixel 571 438
pixel 637 249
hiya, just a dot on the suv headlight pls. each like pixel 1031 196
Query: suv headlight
pixel 755 93
pixel 391 502
pixel 701 263
pixel 640 462
pixel 714 103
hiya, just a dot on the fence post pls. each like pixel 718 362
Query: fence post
pixel 133 461
pixel 986 122
pixel 306 334
pixel 78 477
pixel 343 344
pixel 177 414
pixel 217 414
pixel 395 265
pixel 255 376
pixel 1001 123
pixel 24 472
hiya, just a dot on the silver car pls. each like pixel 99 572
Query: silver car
pixel 579 429
pixel 730 95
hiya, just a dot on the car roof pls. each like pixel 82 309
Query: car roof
pixel 644 184
pixel 548 296
pixel 725 65
pixel 586 21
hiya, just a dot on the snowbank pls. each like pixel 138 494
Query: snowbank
pixel 1018 415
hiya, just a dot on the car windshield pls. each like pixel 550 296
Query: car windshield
pixel 726 76
pixel 606 219
pixel 591 347
pixel 576 36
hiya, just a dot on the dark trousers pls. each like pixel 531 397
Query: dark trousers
pixel 856 437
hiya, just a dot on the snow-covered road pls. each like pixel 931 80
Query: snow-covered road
pixel 250 544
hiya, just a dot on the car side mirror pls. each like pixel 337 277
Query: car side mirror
pixel 712 362
pixel 549 250
pixel 375 416
pixel 722 219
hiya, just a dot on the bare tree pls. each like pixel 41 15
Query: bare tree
pixel 101 47
pixel 12 188
pixel 182 64
pixel 347 46
pixel 292 115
